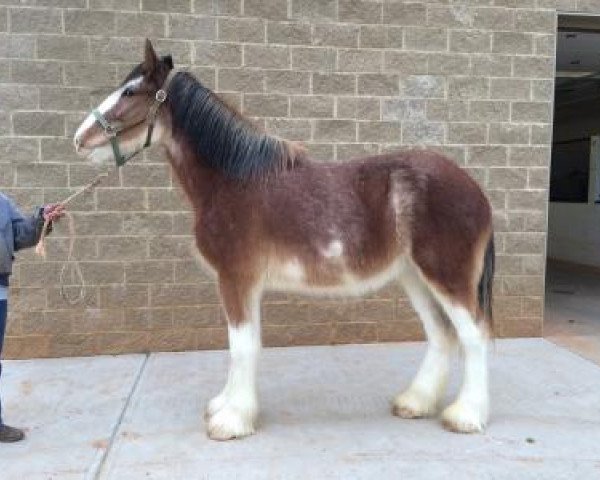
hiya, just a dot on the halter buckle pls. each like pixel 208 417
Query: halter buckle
pixel 161 96
pixel 110 130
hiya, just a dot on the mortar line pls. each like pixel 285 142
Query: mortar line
pixel 101 463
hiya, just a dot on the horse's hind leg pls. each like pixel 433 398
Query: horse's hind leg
pixel 469 412
pixel 421 399
pixel 232 414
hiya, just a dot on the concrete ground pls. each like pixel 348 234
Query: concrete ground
pixel 325 414
pixel 572 316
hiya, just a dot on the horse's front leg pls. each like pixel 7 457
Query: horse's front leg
pixel 232 414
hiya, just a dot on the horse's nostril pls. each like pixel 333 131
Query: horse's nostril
pixel 77 143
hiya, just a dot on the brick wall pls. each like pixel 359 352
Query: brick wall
pixel 473 79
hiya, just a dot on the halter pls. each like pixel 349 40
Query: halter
pixel 113 132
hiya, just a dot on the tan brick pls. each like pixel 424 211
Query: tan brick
pixel 151 175
pixel 314 59
pixel 422 133
pixel 290 129
pixel 89 23
pixel 339 84
pixel 468 87
pixel 381 132
pixel 335 35
pixel 314 9
pixel 378 36
pixel 489 111
pixel 494 19
pixel 509 178
pixel 273 9
pixel 141 24
pixel 538 112
pixel 183 295
pixel 149 271
pixel 112 4
pixel 510 89
pixel 241 30
pixel 447 64
pixel 270 56
pixel 447 110
pixel 492 65
pixel 335 130
pixel 191 27
pixel 404 13
pixel 180 6
pixel 396 109
pixel 512 43
pixel 174 247
pixel 26 71
pixel 62 48
pixel 487 156
pixel 365 108
pixel 419 38
pixel 507 133
pixel 17 46
pixel 240 80
pixel 542 21
pixel 89 74
pixel 422 86
pixel 359 61
pixel 378 84
pixel 121 248
pixel 470 41
pixel 281 81
pixel 529 156
pixel 38 124
pixel 360 11
pixel 218 7
pixel 289 33
pixel 313 106
pixel 18 97
pixel 265 105
pixel 127 199
pixel 35 20
pixel 466 133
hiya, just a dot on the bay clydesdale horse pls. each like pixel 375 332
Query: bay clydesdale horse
pixel 267 217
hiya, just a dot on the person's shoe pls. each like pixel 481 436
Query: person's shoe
pixel 10 434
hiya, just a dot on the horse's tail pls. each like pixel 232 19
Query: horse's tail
pixel 486 285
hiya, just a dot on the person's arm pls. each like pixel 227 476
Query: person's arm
pixel 27 230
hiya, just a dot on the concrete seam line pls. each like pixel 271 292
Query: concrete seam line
pixel 97 469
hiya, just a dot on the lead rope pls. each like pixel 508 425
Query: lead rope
pixel 70 265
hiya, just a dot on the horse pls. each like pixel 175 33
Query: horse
pixel 268 217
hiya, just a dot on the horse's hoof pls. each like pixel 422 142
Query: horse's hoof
pixel 216 404
pixel 413 404
pixel 229 423
pixel 463 418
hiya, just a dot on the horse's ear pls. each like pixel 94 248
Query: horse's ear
pixel 150 58
pixel 168 60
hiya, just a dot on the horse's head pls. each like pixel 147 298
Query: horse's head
pixel 126 121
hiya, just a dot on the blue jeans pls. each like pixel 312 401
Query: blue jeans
pixel 3 309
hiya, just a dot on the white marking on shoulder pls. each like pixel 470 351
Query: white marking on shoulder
pixel 334 249
pixel 293 270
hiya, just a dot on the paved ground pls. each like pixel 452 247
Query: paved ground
pixel 572 316
pixel 325 415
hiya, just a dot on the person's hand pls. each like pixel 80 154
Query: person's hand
pixel 53 212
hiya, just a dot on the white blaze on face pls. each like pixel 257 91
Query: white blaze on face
pixel 108 103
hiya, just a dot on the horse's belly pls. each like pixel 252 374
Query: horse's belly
pixel 294 276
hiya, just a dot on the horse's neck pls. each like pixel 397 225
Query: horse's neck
pixel 197 180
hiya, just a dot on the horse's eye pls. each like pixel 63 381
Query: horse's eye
pixel 128 92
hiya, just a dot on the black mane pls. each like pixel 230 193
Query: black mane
pixel 219 135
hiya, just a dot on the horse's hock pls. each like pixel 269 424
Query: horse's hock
pixel 346 78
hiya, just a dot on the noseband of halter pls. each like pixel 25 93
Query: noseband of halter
pixel 113 132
